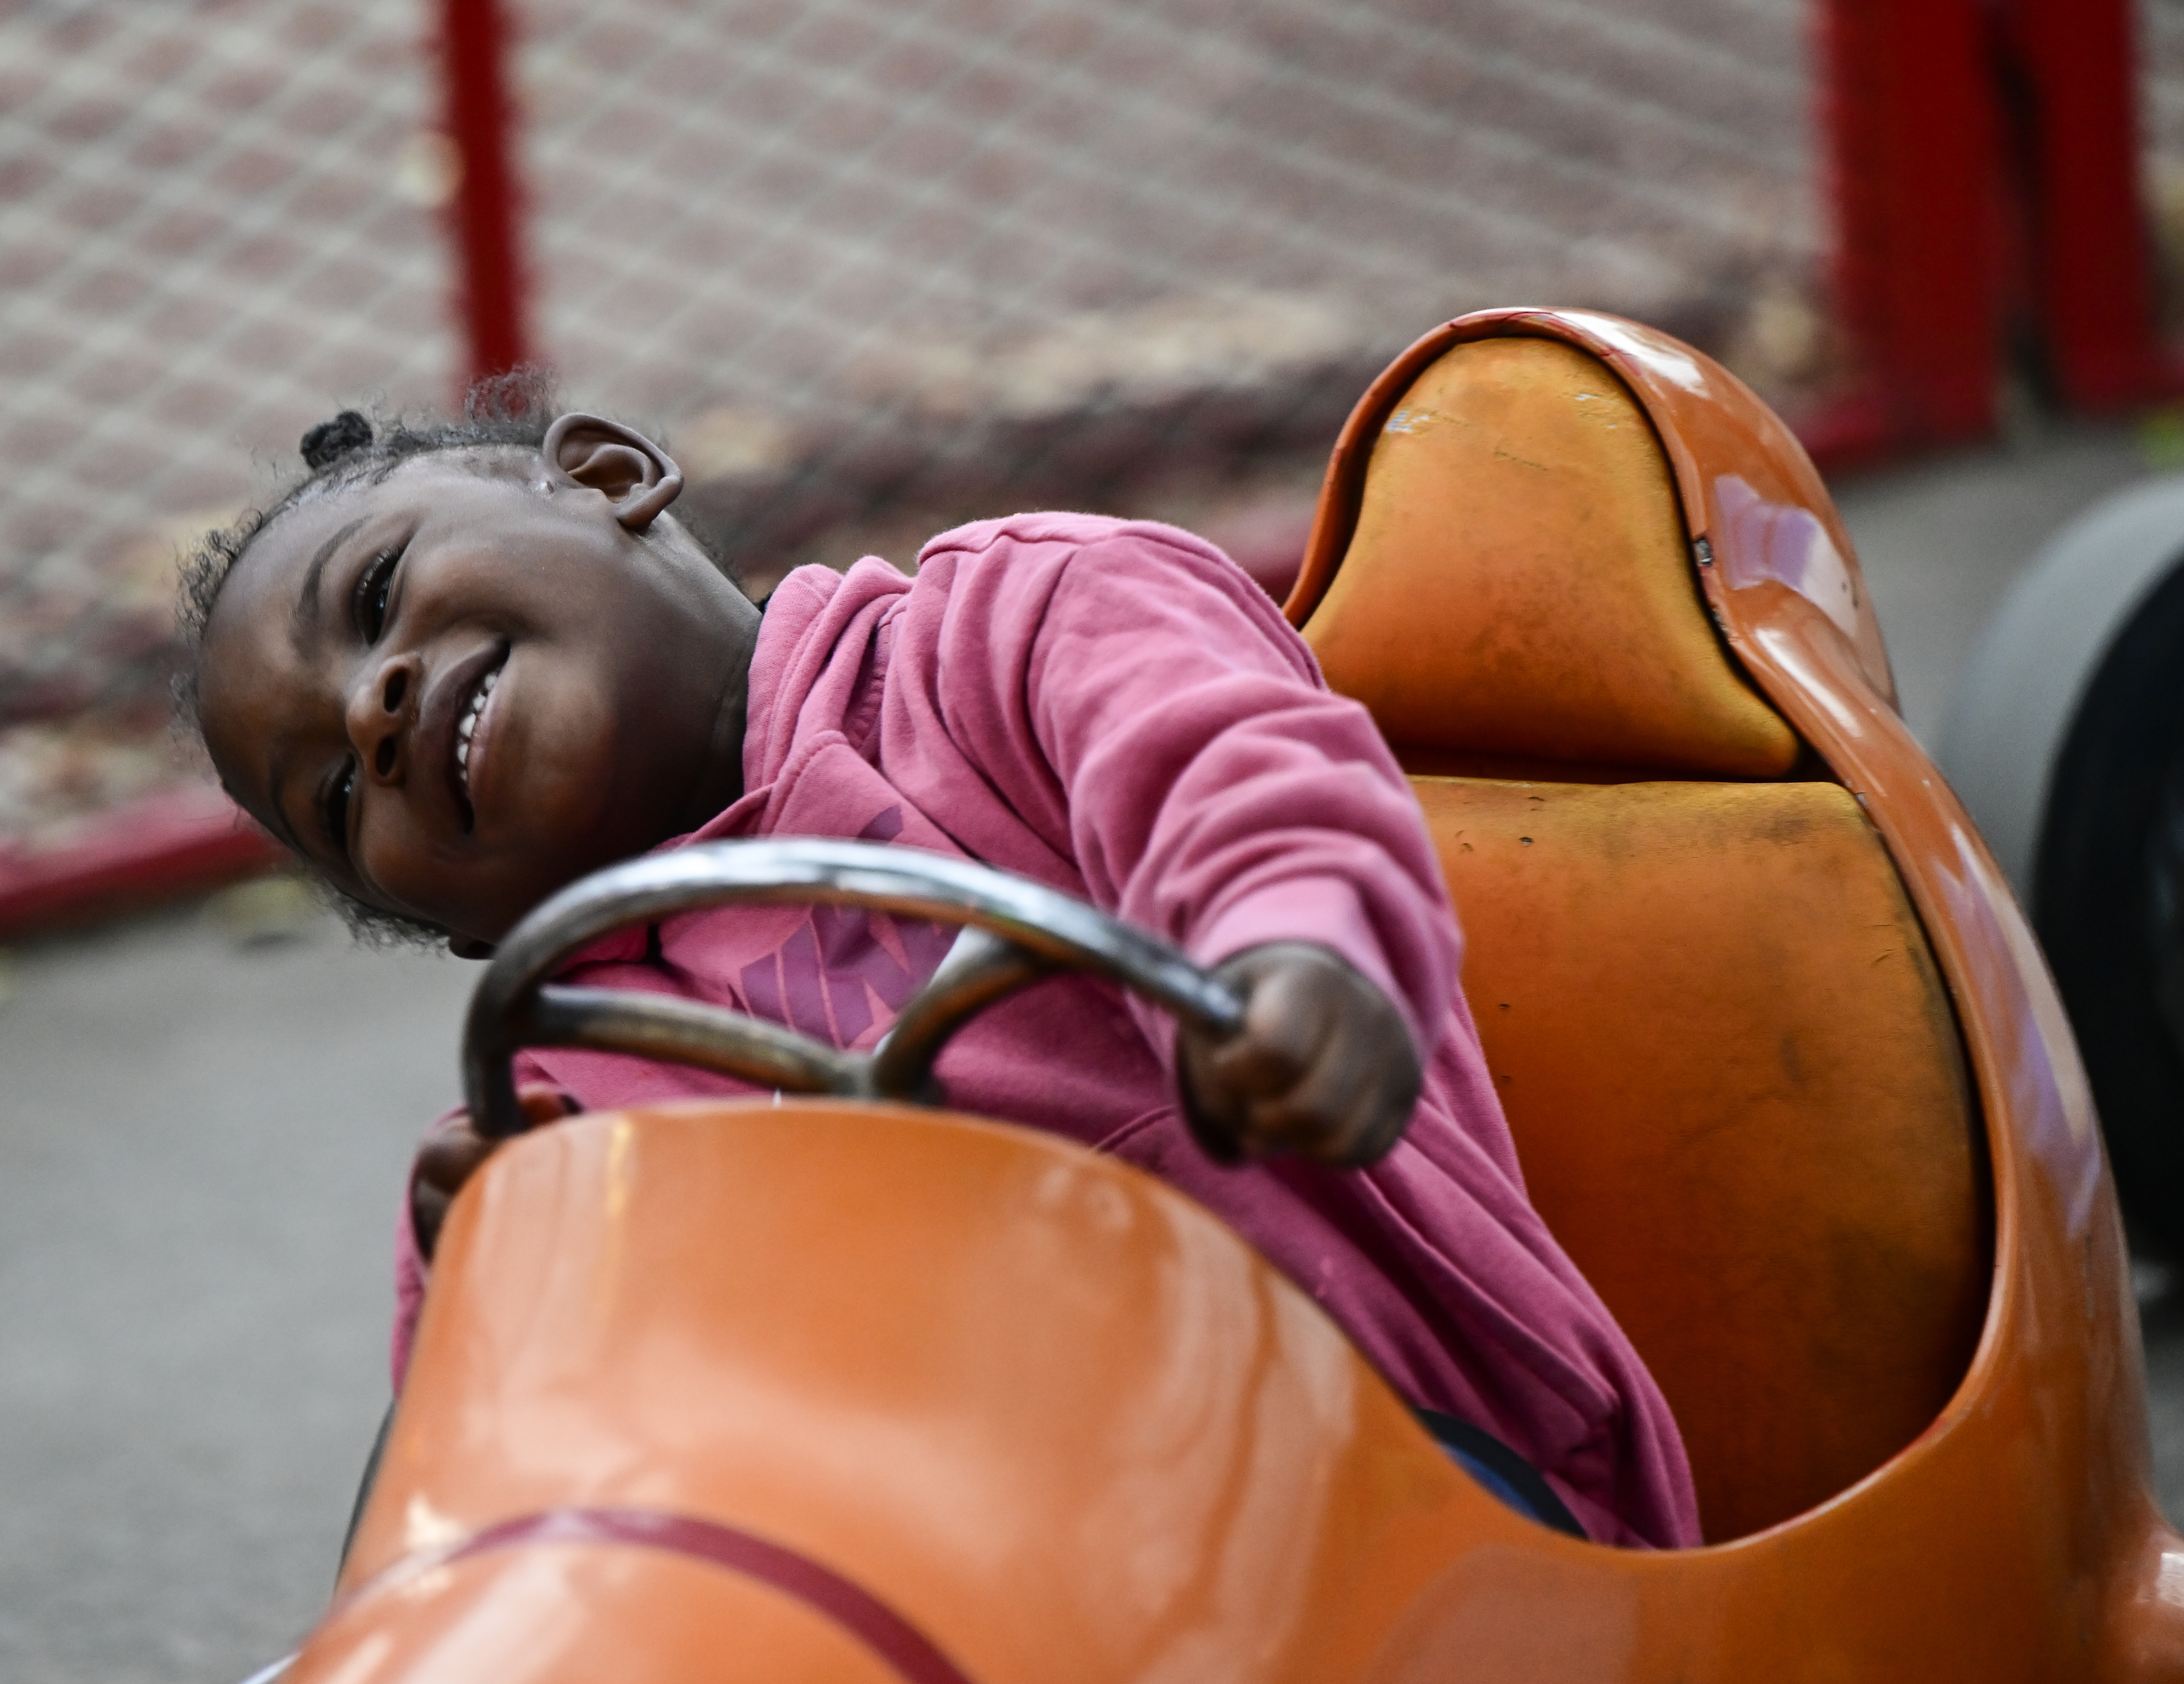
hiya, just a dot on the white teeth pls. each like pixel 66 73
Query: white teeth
pixel 467 727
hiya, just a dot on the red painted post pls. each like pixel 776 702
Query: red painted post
pixel 486 208
pixel 1912 127
pixel 2091 267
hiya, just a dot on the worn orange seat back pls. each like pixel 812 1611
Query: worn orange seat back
pixel 1734 1082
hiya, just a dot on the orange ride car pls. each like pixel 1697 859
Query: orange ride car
pixel 840 1388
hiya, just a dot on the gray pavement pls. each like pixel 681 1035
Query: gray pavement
pixel 201 1144
pixel 1942 540
pixel 203 1122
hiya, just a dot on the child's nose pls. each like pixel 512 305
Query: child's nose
pixel 381 709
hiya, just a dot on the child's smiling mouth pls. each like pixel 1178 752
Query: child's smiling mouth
pixel 464 727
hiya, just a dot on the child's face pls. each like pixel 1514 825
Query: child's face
pixel 454 693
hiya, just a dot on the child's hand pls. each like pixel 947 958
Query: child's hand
pixel 452 1154
pixel 1323 1067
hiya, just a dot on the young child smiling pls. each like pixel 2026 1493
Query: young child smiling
pixel 458 668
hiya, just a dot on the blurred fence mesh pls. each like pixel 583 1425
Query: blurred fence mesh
pixel 203 238
pixel 870 266
pixel 923 259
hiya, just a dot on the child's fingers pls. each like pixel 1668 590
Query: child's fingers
pixel 428 1214
pixel 544 1105
pixel 1322 1065
pixel 1348 1109
pixel 450 1156
pixel 1354 1089
pixel 1264 1058
pixel 1250 1068
pixel 454 1151
pixel 1287 1018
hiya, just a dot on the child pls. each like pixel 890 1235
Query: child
pixel 456 668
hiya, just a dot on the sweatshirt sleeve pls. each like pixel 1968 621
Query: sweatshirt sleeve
pixel 1147 706
pixel 409 1275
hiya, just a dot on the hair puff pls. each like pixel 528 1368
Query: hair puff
pixel 327 442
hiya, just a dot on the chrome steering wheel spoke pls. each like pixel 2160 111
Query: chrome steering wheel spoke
pixel 1016 931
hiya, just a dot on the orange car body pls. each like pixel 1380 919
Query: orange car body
pixel 831 1391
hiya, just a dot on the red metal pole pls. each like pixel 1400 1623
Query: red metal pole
pixel 1912 126
pixel 1985 164
pixel 486 206
pixel 2091 269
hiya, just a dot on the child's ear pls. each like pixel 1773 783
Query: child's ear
pixel 604 456
pixel 468 947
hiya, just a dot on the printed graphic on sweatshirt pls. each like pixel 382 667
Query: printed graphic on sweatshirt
pixel 844 969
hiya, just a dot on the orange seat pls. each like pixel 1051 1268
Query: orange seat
pixel 1733 1075
pixel 1520 584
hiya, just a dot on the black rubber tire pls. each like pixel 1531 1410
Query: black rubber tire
pixel 2108 903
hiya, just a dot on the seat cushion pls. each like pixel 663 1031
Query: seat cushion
pixel 1737 1091
pixel 1519 582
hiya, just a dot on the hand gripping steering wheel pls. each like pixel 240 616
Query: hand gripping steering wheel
pixel 1015 931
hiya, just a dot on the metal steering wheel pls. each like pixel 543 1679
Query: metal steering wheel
pixel 1015 931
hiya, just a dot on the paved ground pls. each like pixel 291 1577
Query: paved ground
pixel 201 1141
pixel 201 1146
pixel 1942 540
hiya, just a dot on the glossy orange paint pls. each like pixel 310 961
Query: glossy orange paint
pixel 1061 1424
pixel 2017 1537
pixel 1053 1415
pixel 592 1612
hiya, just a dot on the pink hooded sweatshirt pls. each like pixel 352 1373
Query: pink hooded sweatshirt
pixel 1115 709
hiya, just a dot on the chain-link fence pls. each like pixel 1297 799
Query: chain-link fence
pixel 203 235
pixel 869 266
pixel 914 261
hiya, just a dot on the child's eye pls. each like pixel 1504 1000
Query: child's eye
pixel 333 805
pixel 373 585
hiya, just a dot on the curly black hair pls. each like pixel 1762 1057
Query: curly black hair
pixel 512 409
